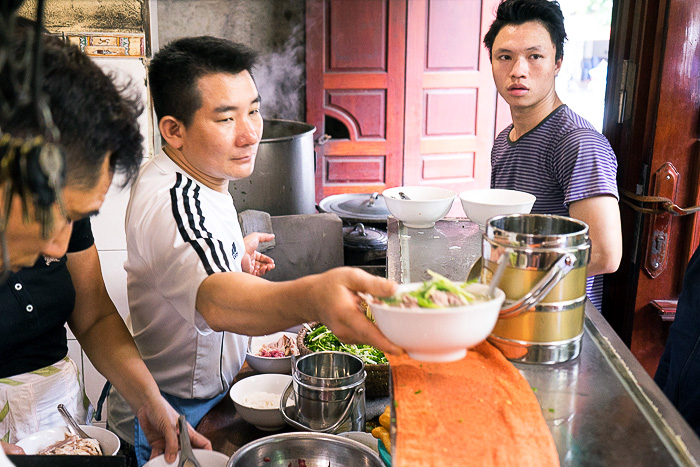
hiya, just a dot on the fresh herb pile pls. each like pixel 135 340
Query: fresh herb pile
pixel 426 296
pixel 320 338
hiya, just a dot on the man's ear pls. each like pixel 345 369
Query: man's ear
pixel 557 66
pixel 172 130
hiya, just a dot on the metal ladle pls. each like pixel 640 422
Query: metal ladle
pixel 502 263
pixel 187 458
pixel 475 272
pixel 73 426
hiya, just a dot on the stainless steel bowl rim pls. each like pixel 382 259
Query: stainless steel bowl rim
pixel 281 437
pixel 302 127
pixel 502 236
pixel 330 388
pixel 325 382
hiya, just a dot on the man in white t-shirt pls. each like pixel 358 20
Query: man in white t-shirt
pixel 189 297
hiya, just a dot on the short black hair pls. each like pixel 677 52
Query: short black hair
pixel 517 12
pixel 175 69
pixel 95 118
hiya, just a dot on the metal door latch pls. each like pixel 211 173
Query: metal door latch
pixel 665 184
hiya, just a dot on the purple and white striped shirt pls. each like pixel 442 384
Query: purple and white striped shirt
pixel 562 160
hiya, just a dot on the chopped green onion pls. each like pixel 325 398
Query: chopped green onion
pixel 322 339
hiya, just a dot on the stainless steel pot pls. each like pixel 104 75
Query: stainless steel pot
pixel 545 285
pixel 283 179
pixel 316 449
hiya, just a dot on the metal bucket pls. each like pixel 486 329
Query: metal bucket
pixel 283 181
pixel 328 390
pixel 544 282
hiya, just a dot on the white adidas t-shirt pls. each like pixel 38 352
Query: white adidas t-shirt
pixel 178 233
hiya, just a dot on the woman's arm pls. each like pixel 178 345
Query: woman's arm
pixel 105 339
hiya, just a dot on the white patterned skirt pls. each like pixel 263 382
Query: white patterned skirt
pixel 28 402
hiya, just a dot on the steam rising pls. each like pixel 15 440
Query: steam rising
pixel 280 79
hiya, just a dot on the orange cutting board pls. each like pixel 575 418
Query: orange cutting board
pixel 478 411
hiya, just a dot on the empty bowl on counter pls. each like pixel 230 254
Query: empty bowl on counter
pixel 206 459
pixel 32 444
pixel 439 334
pixel 481 205
pixel 424 205
pixel 314 449
pixel 257 400
pixel 262 364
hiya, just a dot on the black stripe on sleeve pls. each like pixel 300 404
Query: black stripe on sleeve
pixel 203 234
pixel 209 236
pixel 181 226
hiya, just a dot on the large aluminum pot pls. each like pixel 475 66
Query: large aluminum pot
pixel 316 449
pixel 282 182
pixel 545 284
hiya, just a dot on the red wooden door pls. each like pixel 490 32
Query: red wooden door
pixel 355 92
pixel 652 121
pixel 450 94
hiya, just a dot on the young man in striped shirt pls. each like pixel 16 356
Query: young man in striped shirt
pixel 549 150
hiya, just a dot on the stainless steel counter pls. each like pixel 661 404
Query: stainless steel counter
pixel 602 408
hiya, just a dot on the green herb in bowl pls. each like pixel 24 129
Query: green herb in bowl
pixel 320 338
pixel 439 292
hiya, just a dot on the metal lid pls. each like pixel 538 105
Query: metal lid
pixel 540 231
pixel 359 236
pixel 356 207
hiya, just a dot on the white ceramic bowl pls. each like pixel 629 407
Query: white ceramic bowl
pixel 32 444
pixel 362 437
pixel 260 364
pixel 438 334
pixel 264 419
pixel 205 458
pixel 481 205
pixel 426 205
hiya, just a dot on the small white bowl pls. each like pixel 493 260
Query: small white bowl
pixel 264 419
pixel 260 364
pixel 362 437
pixel 205 458
pixel 32 444
pixel 438 334
pixel 425 206
pixel 481 205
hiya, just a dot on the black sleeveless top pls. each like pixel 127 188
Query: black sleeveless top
pixel 35 304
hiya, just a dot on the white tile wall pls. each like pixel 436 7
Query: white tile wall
pixel 108 226
pixel 115 278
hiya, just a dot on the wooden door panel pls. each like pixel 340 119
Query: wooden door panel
pixel 454 22
pixel 675 141
pixel 363 170
pixel 660 127
pixel 360 110
pixel 355 71
pixel 450 95
pixel 450 112
pixel 357 35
